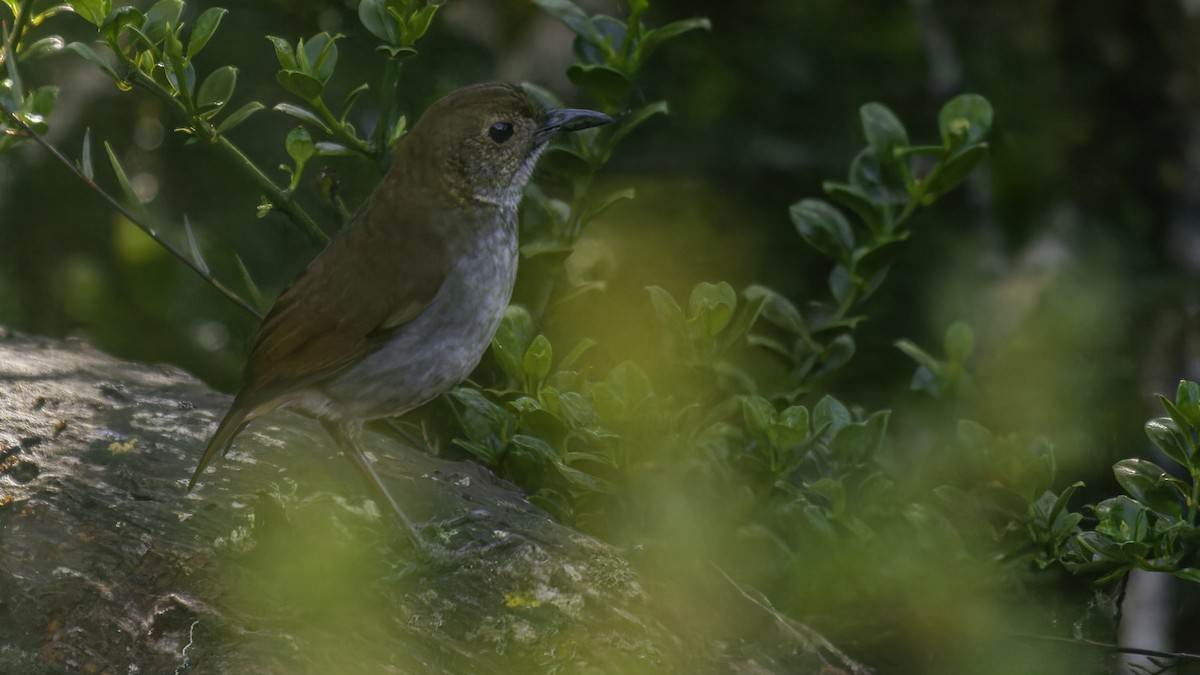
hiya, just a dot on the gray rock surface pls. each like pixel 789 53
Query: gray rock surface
pixel 278 562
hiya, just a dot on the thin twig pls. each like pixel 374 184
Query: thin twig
pixel 279 197
pixel 810 639
pixel 124 211
pixel 1084 642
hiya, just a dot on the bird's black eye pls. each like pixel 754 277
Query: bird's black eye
pixel 501 131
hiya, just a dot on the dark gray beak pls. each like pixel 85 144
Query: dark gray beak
pixel 571 119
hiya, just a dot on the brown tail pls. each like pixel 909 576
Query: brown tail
pixel 235 420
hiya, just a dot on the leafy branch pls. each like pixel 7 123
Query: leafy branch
pixel 609 53
pixel 85 172
pixel 149 52
pixel 884 190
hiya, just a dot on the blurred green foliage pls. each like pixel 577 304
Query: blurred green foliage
pixel 682 374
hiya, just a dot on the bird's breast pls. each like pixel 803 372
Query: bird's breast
pixel 442 345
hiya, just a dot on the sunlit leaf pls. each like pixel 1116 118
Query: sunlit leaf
pixel 206 26
pixel 303 114
pixel 238 116
pixel 162 14
pixel 301 84
pixel 217 88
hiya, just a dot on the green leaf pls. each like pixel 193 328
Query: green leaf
pixel 836 354
pixel 824 228
pixel 331 149
pixel 832 491
pixel 537 448
pixel 536 364
pixel 397 54
pixel 712 306
pixel 606 84
pixel 256 295
pixel 1124 520
pixel 577 353
pixel 41 48
pixel 321 54
pixel 972 435
pixel 585 481
pixel 90 54
pixel 598 206
pixel 630 384
pixel 882 182
pixel 575 18
pixel 1150 485
pixel 303 114
pixel 667 310
pixel 964 120
pixel 758 415
pixel 85 162
pixel 284 53
pixel 959 342
pixel 481 419
pixel 858 201
pixel 919 355
pixel 217 88
pixel 790 429
pixel 206 26
pixel 777 309
pixel 375 18
pixel 859 442
pixel 348 102
pixel 177 67
pixel 164 14
pixel 1167 436
pixel 417 25
pixel 1187 400
pixel 566 162
pixel 655 37
pixel 743 320
pixel 194 247
pixel 1105 547
pixel 883 130
pixel 954 171
pixel 305 86
pixel 512 340
pixel 635 118
pixel 92 11
pixel 1051 516
pixel 238 116
pixel 118 19
pixel 870 261
pixel 1191 574
pixel 831 415
pixel 299 145
pixel 841 283
pixel 131 199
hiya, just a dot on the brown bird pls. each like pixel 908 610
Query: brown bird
pixel 403 302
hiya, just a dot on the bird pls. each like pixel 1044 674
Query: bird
pixel 405 298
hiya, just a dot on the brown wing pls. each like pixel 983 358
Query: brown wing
pixel 372 278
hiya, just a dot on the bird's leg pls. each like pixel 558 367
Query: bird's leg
pixel 346 436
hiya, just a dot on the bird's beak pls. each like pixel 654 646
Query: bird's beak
pixel 571 119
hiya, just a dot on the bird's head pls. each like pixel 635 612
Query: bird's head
pixel 482 141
